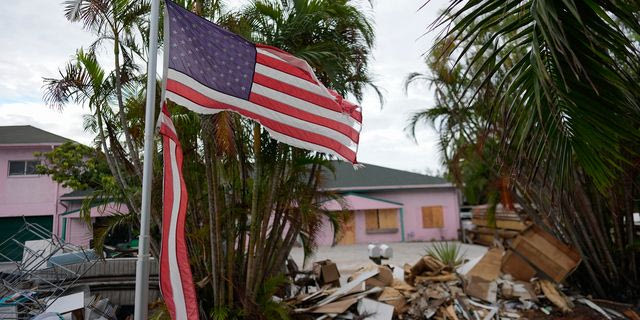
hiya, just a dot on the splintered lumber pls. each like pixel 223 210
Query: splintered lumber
pixel 550 291
pixel 384 277
pixel 488 268
pixel 450 312
pixel 482 239
pixel 438 278
pixel 395 298
pixel 402 286
pixel 507 234
pixel 348 287
pixel 517 267
pixel 501 224
pixel 481 279
pixel 507 225
pixel 502 213
pixel 337 307
pixel 428 269
pixel 427 264
pixel 481 288
pixel 546 253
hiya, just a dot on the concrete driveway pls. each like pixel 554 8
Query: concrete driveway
pixel 350 257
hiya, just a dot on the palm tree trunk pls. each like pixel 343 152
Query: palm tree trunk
pixel 133 153
pixel 211 197
pixel 267 214
pixel 219 209
pixel 587 263
pixel 280 256
pixel 113 165
pixel 230 255
pixel 628 210
pixel 254 213
pixel 586 208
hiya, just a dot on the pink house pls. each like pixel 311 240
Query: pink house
pixel 389 205
pixel 25 195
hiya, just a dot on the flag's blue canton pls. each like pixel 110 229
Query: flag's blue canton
pixel 209 54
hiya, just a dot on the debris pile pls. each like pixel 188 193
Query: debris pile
pixel 521 282
pixel 508 224
pixel 47 278
pixel 372 291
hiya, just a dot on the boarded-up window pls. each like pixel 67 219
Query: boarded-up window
pixel 432 217
pixel 381 219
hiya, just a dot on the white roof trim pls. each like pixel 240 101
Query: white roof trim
pixel 31 144
pixel 415 186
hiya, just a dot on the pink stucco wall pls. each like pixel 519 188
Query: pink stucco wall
pixel 325 236
pixel 37 195
pixel 32 195
pixel 77 230
pixel 412 202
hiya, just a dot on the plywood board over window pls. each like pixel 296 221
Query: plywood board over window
pixel 432 217
pixel 381 220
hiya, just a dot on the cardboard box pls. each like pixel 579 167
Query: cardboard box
pixel 327 272
pixel 383 279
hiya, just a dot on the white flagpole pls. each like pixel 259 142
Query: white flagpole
pixel 142 265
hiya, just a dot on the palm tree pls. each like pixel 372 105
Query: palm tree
pixel 335 37
pixel 461 114
pixel 253 229
pixel 118 21
pixel 251 198
pixel 85 81
pixel 576 76
pixel 565 109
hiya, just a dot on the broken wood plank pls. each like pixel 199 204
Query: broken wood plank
pixel 517 267
pixel 546 253
pixel 488 268
pixel 438 278
pixel 550 291
pixel 337 307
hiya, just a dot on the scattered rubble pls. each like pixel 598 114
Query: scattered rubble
pixel 505 224
pixel 58 280
pixel 522 281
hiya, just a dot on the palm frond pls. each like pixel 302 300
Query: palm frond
pixel 577 85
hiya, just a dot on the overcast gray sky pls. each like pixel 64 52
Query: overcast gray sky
pixel 37 40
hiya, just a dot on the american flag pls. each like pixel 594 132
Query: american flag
pixel 209 69
pixel 176 282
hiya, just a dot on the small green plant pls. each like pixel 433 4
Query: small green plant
pixel 450 253
pixel 268 307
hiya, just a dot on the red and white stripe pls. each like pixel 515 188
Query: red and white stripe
pixel 287 99
pixel 176 282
